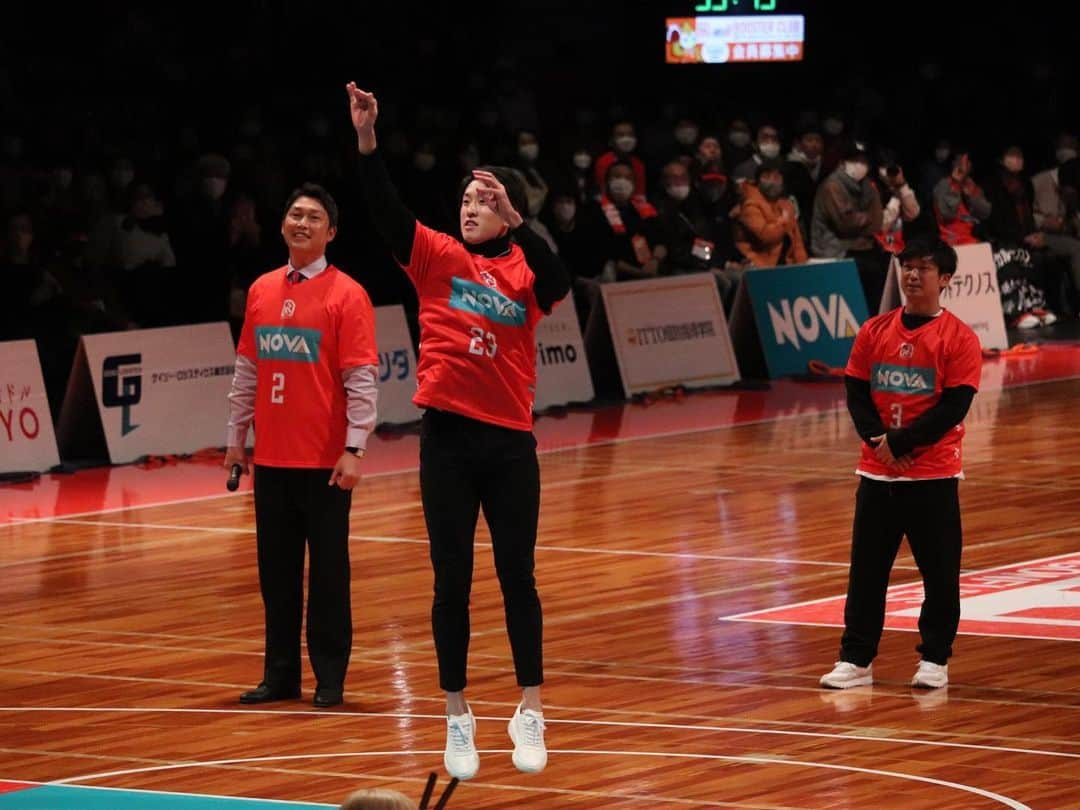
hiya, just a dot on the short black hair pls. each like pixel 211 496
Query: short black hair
pixel 940 253
pixel 315 192
pixel 512 182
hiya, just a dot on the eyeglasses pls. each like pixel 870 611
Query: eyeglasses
pixel 917 267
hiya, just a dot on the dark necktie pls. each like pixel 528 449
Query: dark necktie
pixel 295 276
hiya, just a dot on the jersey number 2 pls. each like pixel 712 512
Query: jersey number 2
pixel 277 391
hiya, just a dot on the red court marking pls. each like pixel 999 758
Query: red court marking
pixel 11 787
pixel 1017 609
pixel 125 487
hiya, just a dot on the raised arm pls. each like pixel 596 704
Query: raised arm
pixel 395 223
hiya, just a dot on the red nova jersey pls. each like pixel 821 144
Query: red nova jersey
pixel 907 371
pixel 301 337
pixel 478 321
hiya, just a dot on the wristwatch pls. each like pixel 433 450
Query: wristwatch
pixel 356 451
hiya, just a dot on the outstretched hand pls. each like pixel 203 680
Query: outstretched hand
pixel 364 110
pixel 493 194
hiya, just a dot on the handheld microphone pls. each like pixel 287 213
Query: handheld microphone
pixel 234 478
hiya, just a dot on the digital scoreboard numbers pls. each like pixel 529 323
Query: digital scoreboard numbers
pixel 733 31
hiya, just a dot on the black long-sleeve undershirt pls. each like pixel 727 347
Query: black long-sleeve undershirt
pixel 947 413
pixel 397 226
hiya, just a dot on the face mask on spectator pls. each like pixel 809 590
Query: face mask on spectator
pixel 214 187
pixel 621 189
pixel 582 160
pixel 1014 163
pixel 739 137
pixel 941 154
pixel 772 191
pixel 625 143
pixel 529 151
pixel 856 170
pixel 1065 154
pixel 424 161
pixel 678 191
pixel 769 149
pixel 686 135
pixel 63 178
pixel 834 126
pixel 564 211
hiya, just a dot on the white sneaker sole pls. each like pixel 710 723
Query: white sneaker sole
pixel 926 683
pixel 462 775
pixel 864 680
pixel 521 766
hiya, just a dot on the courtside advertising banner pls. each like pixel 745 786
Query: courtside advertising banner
pixel 972 295
pixel 669 331
pixel 397 367
pixel 27 441
pixel 162 391
pixel 806 312
pixel 562 371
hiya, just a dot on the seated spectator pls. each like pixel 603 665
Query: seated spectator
pixel 766 231
pixel 693 243
pixel 803 173
pixel 580 232
pixel 1024 267
pixel 959 204
pixel 739 144
pixel 1061 232
pixel 708 151
pixel 623 145
pixel 631 247
pixel 686 134
pixel 144 257
pixel 933 170
pixel 766 147
pixel 527 163
pixel 847 217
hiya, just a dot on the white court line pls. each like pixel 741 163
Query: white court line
pixel 793 763
pixel 551 721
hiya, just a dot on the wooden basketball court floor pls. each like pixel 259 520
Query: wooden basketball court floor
pixel 130 620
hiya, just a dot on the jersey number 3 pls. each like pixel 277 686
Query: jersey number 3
pixel 897 415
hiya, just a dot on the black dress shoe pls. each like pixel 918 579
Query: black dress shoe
pixel 325 697
pixel 263 693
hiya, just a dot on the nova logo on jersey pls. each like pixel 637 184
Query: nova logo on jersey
pixel 486 302
pixel 807 315
pixel 902 379
pixel 287 343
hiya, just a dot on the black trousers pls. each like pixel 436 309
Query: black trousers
pixel 465 466
pixel 928 512
pixel 295 508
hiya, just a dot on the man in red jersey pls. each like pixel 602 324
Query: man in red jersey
pixel 911 377
pixel 306 370
pixel 480 300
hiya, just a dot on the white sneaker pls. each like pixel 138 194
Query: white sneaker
pixel 461 759
pixel 930 675
pixel 527 732
pixel 1045 316
pixel 845 675
pixel 1027 321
